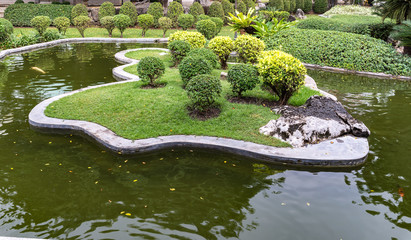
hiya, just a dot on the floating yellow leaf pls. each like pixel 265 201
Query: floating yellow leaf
pixel 225 161
pixel 135 180
pixel 172 189
pixel 201 198
pixel 126 161
pixel 122 212
pixel 11 168
pixel 49 142
pixel 161 158
pixel 47 164
pixel 308 204
pixel 128 214
pixel 89 167
pixel 95 182
pixel 282 204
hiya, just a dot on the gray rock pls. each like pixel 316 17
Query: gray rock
pixel 320 119
pixel 300 14
pixel 93 14
pixel 142 6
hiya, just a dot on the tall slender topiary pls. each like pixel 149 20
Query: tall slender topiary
pixel 278 4
pixel 320 6
pixel 228 8
pixel 79 10
pixel 145 21
pixel 175 9
pixel 106 9
pixel 308 5
pixel 196 10
pixel 130 10
pixel 216 10
pixel 156 10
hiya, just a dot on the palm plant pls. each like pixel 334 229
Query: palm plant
pixel 270 28
pixel 399 10
pixel 241 21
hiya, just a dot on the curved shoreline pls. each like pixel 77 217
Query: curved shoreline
pixel 37 46
pixel 346 151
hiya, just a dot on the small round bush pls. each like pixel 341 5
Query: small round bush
pixel 222 47
pixel 277 4
pixel 185 21
pixel 19 2
pixel 196 10
pixel 175 9
pixel 78 10
pixel 6 28
pixel 227 8
pixel 145 21
pixel 165 23
pixel 280 15
pixel 207 28
pixel 156 10
pixel 320 6
pixel 122 22
pixel 62 24
pixel 242 77
pixel 106 9
pixel 108 24
pixel 179 49
pixel 193 66
pixel 241 7
pixel 206 54
pixel 248 48
pixel 216 10
pixel 149 69
pixel 281 72
pixel 203 90
pixel 203 17
pixel 130 10
pixel 218 24
pixel 195 39
pixel 81 23
pixel 40 23
pixel 308 5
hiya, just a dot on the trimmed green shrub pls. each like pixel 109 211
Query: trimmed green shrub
pixel 19 2
pixel 78 10
pixel 193 66
pixel 216 10
pixel 156 10
pixel 196 10
pixel 206 54
pixel 185 21
pixel 293 5
pixel 228 8
pixel 350 10
pixel 381 30
pixel 250 4
pixel 265 15
pixel 280 15
pixel 106 9
pixel 203 90
pixel 320 6
pixel 122 22
pixel 222 47
pixel 195 39
pixel 108 24
pixel 150 68
pixel 175 9
pixel 281 72
pixel 6 28
pixel 241 7
pixel 248 48
pixel 299 4
pixel 207 28
pixel 145 21
pixel 242 77
pixel 62 24
pixel 130 10
pixel 20 15
pixel 203 17
pixel 179 49
pixel 287 5
pixel 308 5
pixel 40 23
pixel 81 23
pixel 342 50
pixel 277 4
pixel 218 24
pixel 165 23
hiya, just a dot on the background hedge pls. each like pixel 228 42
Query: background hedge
pixel 21 14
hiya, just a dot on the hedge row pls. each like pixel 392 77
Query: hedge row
pixel 342 50
pixel 21 14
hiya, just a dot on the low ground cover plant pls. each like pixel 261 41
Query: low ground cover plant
pixel 242 77
pixel 150 69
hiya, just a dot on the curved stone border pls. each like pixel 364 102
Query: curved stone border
pixel 341 152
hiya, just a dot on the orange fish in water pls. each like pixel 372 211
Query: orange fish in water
pixel 38 70
pixel 401 191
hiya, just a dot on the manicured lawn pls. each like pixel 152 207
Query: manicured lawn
pixel 136 113
pixel 145 53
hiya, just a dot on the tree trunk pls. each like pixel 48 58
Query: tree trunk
pixel 407 50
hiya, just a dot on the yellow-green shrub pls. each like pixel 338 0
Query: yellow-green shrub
pixel 62 24
pixel 222 47
pixel 40 23
pixel 248 48
pixel 195 39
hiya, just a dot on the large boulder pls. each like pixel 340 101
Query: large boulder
pixel 142 6
pixel 300 14
pixel 320 118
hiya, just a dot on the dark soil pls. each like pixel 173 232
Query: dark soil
pixel 252 100
pixel 209 113
pixel 158 85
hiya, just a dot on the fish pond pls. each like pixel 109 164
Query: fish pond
pixel 66 187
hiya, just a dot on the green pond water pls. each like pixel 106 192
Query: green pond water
pixel 66 187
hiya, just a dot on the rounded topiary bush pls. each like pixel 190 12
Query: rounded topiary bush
pixel 108 24
pixel 175 9
pixel 277 4
pixel 241 7
pixel 106 9
pixel 196 10
pixel 165 23
pixel 179 49
pixel 145 21
pixel 156 10
pixel 206 54
pixel 149 69
pixel 203 90
pixel 40 23
pixel 78 10
pixel 19 2
pixel 222 47
pixel 216 10
pixel 122 22
pixel 207 28
pixel 81 23
pixel 193 66
pixel 242 77
pixel 281 15
pixel 308 5
pixel 218 24
pixel 281 72
pixel 6 28
pixel 62 24
pixel 203 17
pixel 185 21
pixel 195 39
pixel 130 10
pixel 228 7
pixel 248 48
pixel 320 6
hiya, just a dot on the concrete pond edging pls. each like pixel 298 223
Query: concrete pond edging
pixel 346 151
